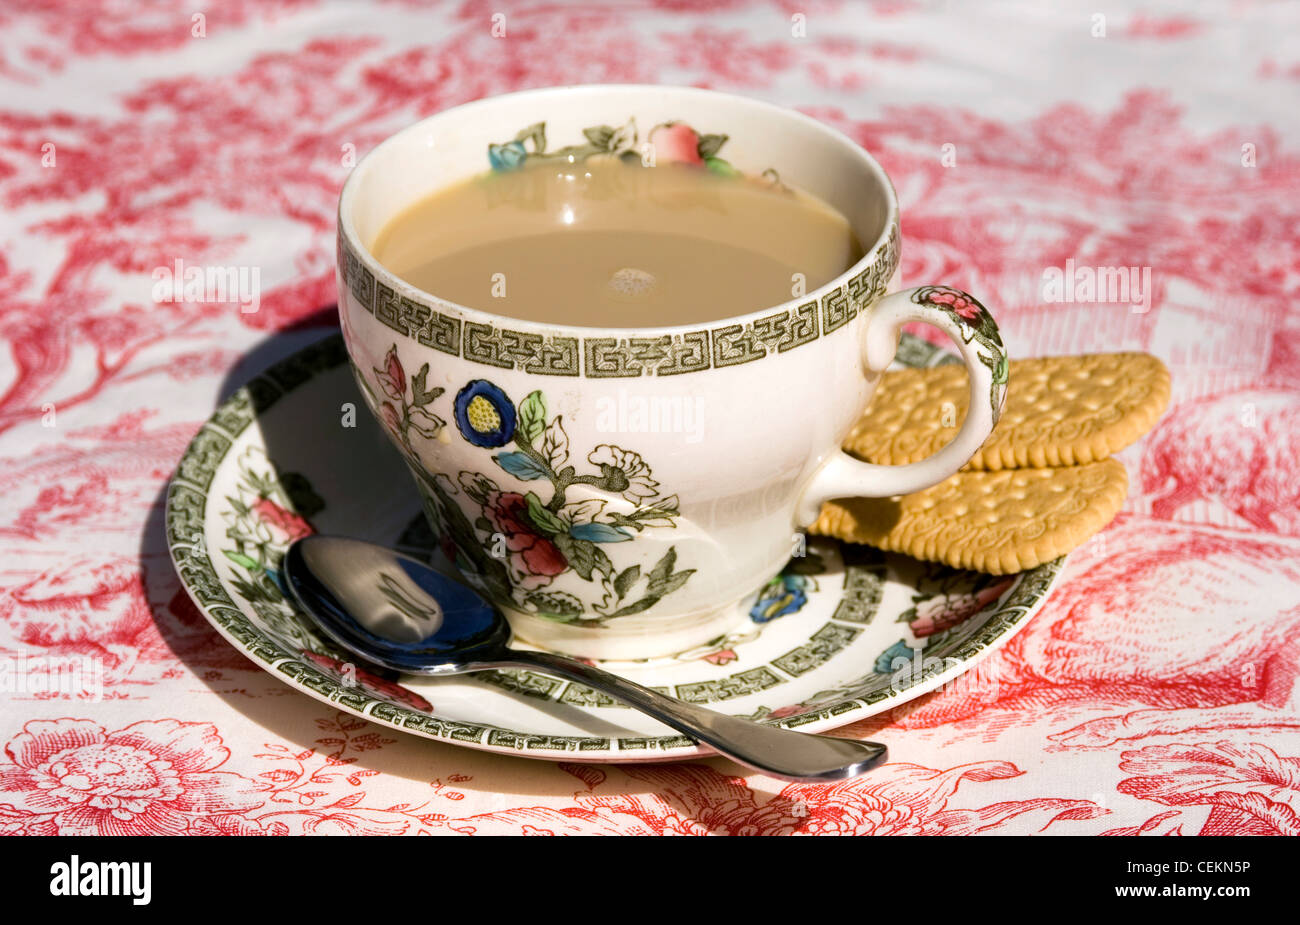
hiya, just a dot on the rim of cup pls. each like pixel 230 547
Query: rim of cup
pixel 351 239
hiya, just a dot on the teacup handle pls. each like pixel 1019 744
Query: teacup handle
pixel 973 331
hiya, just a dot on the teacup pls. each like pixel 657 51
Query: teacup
pixel 547 455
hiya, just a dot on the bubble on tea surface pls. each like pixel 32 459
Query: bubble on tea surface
pixel 630 284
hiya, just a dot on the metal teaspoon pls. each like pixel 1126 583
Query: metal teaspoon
pixel 397 612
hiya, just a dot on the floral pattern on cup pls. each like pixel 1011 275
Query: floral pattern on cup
pixel 667 143
pixel 976 325
pixel 521 539
pixel 400 412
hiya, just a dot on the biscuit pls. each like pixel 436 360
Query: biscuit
pixel 997 522
pixel 1060 411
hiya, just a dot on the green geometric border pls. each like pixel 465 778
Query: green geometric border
pixel 727 344
pixel 185 517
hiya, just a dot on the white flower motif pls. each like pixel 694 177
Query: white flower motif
pixel 624 138
pixel 584 511
pixel 640 486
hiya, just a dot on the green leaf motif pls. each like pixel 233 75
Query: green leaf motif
pixel 491 571
pixel 669 584
pixel 659 513
pixel 422 395
pixel 710 145
pixel 417 382
pixel 720 167
pixel 644 604
pixel 602 563
pixel 664 567
pixel 623 138
pixel 580 554
pixel 542 519
pixel 599 135
pixel 242 560
pixel 626 579
pixel 557 606
pixel 532 418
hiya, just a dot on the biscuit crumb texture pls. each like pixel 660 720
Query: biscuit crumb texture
pixel 997 522
pixel 1060 411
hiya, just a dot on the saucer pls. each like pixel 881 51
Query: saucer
pixel 843 633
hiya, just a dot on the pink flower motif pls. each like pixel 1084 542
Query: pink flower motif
pixel 675 143
pixel 391 417
pixel 152 778
pixel 947 610
pixel 721 657
pixel 788 710
pixel 534 559
pixel 966 308
pixel 285 521
pixel 394 369
pixel 392 377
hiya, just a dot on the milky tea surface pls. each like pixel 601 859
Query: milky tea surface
pixel 604 243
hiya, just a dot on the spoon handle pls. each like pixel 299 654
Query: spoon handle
pixel 781 753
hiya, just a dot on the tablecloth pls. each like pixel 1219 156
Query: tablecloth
pixel 1155 693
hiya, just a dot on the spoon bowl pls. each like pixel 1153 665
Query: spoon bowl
pixel 391 609
pixel 399 613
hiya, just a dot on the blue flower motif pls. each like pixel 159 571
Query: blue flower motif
pixel 783 595
pixel 508 156
pixel 485 416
